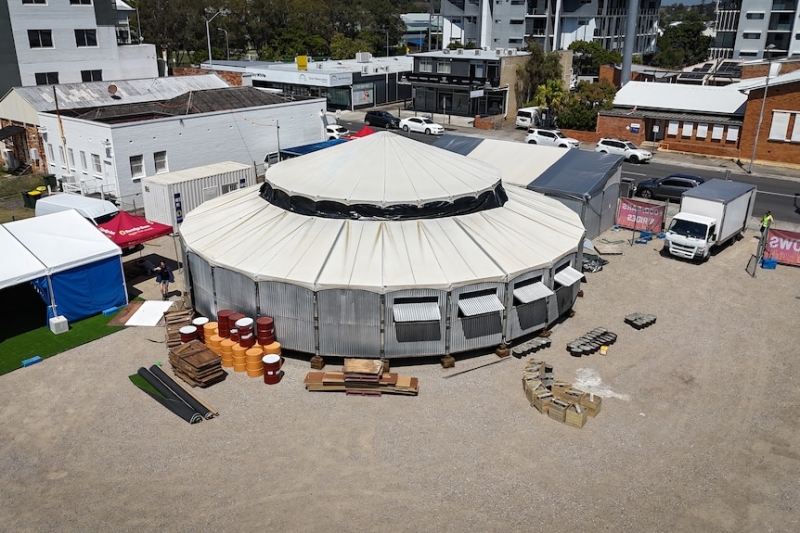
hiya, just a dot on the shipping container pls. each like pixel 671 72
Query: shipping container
pixel 169 197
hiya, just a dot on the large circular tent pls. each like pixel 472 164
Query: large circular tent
pixel 386 247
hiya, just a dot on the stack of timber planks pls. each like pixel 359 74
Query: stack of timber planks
pixel 174 321
pixel 196 364
pixel 363 377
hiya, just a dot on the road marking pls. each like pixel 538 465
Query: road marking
pixel 633 173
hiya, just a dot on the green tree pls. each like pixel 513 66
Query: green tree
pixel 551 95
pixel 537 70
pixel 343 47
pixel 683 44
pixel 580 112
pixel 589 56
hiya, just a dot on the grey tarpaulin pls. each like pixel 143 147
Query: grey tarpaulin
pixel 457 143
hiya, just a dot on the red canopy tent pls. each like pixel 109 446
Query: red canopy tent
pixel 128 230
pixel 363 132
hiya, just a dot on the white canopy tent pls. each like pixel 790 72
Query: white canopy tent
pixel 19 264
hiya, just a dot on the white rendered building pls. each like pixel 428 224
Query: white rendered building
pixel 745 28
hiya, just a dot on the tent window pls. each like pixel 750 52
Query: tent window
pixel 479 303
pixel 566 276
pixel 417 319
pixel 530 291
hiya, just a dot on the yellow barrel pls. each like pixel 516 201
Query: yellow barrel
pixel 239 350
pixel 255 373
pixel 274 348
pixel 226 362
pixel 239 367
pixel 226 346
pixel 210 328
pixel 254 354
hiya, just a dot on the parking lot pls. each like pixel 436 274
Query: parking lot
pixel 697 431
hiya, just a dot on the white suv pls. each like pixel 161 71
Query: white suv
pixel 626 149
pixel 335 131
pixel 550 138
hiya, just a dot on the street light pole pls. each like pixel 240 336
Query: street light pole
pixel 227 48
pixel 208 37
pixel 387 43
pixel 768 50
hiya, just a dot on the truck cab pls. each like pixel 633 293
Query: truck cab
pixel 691 236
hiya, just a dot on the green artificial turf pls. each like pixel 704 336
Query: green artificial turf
pixel 44 343
pixel 142 383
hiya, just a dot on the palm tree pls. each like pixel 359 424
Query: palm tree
pixel 552 96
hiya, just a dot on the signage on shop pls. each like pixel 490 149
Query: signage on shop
pixel 783 246
pixel 634 214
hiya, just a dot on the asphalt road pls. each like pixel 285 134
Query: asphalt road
pixel 776 195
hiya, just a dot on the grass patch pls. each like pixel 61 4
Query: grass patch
pixel 44 343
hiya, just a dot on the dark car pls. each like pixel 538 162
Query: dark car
pixel 383 119
pixel 669 188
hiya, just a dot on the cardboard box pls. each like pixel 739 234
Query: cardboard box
pixel 575 416
pixel 592 404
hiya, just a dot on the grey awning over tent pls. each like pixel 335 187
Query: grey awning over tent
pixel 531 293
pixel 480 305
pixel 416 312
pixel 457 143
pixel 568 277
pixel 577 175
pixel 10 131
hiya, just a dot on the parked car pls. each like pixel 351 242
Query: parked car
pixel 626 149
pixel 383 119
pixel 421 125
pixel 335 131
pixel 550 138
pixel 671 187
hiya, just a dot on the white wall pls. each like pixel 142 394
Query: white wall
pixel 244 136
pixel 65 57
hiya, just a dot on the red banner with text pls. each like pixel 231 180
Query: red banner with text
pixel 783 246
pixel 634 214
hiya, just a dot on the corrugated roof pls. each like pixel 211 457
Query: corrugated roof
pixel 96 93
pixel 681 97
pixel 531 293
pixel 190 174
pixel 664 115
pixel 480 305
pixel 568 276
pixel 783 79
pixel 416 312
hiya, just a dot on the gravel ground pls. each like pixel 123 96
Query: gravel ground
pixel 698 429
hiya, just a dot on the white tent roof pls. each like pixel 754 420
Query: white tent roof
pixel 518 164
pixel 63 240
pixel 242 232
pixel 18 264
pixel 680 97
pixel 383 169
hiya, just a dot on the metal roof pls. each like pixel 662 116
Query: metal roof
pixel 98 93
pixel 531 293
pixel 734 120
pixel 721 190
pixel 681 97
pixel 10 131
pixel 416 312
pixel 191 174
pixel 568 276
pixel 480 305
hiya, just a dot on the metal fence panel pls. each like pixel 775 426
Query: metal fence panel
pixel 349 323
pixel 202 285
pixel 235 291
pixel 292 308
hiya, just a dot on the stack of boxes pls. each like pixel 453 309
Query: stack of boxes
pixel 556 398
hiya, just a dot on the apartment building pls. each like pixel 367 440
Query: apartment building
pixel 47 42
pixel 554 24
pixel 745 28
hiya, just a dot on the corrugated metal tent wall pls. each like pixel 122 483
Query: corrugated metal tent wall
pixel 292 307
pixel 415 337
pixel 525 318
pixel 235 291
pixel 349 322
pixel 484 329
pixel 566 294
pixel 202 281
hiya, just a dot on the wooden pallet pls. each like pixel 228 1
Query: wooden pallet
pixel 196 364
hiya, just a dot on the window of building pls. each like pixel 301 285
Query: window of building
pixel 61 157
pixel 96 166
pixel 672 129
pixel 779 126
pixel 733 134
pixel 749 35
pixel 80 2
pixel 748 54
pixel 40 38
pixel 443 67
pixel 797 36
pixel 83 160
pixel 160 159
pixel 517 21
pixel 46 78
pixel 702 131
pixel 755 16
pixel 515 41
pixel 34 2
pixel 716 133
pixel 688 128
pixel 426 65
pixel 796 130
pixel 92 75
pixel 86 37
pixel 71 157
pixel 471 20
pixel 228 187
pixel 50 156
pixel 137 166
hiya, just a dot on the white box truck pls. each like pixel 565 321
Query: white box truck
pixel 711 214
pixel 169 197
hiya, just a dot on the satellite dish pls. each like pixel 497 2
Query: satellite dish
pixel 112 89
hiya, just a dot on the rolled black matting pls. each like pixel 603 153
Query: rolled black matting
pixel 168 399
pixel 187 398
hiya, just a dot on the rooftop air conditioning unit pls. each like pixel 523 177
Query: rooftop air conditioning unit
pixel 499 51
pixel 511 51
pixel 319 65
pixel 460 51
pixel 478 51
pixel 363 57
pixel 365 70
pixel 445 50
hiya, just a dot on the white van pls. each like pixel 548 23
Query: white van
pixel 96 210
pixel 528 117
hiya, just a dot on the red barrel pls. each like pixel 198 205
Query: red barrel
pixel 264 340
pixel 247 340
pixel 272 369
pixel 244 325
pixel 234 335
pixel 200 323
pixel 265 323
pixel 233 318
pixel 223 319
pixel 188 333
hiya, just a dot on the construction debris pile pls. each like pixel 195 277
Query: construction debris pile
pixel 363 377
pixel 555 398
